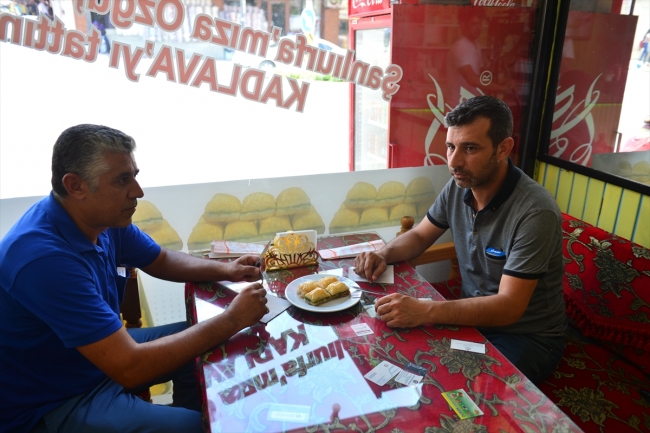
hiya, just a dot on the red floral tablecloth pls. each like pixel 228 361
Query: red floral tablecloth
pixel 304 371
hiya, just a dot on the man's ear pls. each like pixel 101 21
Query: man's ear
pixel 504 148
pixel 75 186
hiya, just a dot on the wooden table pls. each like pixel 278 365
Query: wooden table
pixel 305 371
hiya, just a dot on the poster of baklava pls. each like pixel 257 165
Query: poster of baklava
pixel 150 220
pixel 256 217
pixel 367 207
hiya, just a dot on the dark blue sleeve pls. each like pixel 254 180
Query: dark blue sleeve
pixel 61 292
pixel 134 248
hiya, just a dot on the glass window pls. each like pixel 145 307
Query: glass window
pixel 451 51
pixel 200 113
pixel 185 130
pixel 602 106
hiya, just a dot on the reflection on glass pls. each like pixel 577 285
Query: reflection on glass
pixel 450 54
pixel 206 310
pixel 602 116
pixel 370 109
pixel 302 377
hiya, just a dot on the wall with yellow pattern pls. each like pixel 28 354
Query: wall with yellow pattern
pixel 613 208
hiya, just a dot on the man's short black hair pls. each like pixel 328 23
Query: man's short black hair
pixel 493 109
pixel 80 149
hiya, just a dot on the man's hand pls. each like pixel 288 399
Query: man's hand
pixel 131 364
pixel 406 246
pixel 369 265
pixel 249 306
pixel 245 268
pixel 400 311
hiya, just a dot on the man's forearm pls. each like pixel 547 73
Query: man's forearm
pixel 181 267
pixel 487 311
pixel 156 358
pixel 132 364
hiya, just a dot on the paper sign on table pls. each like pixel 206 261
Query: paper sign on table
pixel 462 404
pixel 310 236
pixel 351 250
pixel 468 346
pixel 382 373
pixel 221 249
pixel 388 277
pixel 361 329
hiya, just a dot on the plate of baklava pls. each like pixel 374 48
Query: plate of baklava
pixel 322 293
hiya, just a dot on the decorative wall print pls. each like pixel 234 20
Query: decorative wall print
pixel 150 220
pixel 366 207
pixel 258 217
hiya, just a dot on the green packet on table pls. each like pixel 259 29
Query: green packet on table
pixel 462 404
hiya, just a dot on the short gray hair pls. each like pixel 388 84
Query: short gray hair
pixel 80 150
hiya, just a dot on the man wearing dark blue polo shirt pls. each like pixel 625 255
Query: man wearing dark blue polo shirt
pixel 66 362
pixel 507 233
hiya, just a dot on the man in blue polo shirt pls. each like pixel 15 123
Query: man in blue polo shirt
pixel 66 362
pixel 507 233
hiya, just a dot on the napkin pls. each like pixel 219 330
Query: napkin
pixel 388 277
pixel 281 244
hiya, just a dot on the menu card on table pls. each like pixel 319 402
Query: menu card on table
pixel 351 250
pixel 221 249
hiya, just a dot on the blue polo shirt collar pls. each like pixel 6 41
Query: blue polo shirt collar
pixel 507 187
pixel 69 230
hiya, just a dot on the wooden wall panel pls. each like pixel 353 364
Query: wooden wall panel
pixel 578 195
pixel 627 214
pixel 551 178
pixel 612 208
pixel 642 229
pixel 594 200
pixel 565 185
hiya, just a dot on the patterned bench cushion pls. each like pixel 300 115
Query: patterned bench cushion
pixel 597 389
pixel 606 284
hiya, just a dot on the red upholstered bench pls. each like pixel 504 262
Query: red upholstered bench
pixel 603 380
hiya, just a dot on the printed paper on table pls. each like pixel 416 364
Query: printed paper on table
pixel 351 250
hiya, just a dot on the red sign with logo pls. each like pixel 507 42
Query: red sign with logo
pixel 449 54
pixel 358 8
pixel 593 73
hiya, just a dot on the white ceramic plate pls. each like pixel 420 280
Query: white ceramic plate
pixel 291 294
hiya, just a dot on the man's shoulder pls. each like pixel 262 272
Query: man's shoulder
pixel 535 196
pixel 33 225
pixel 32 237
